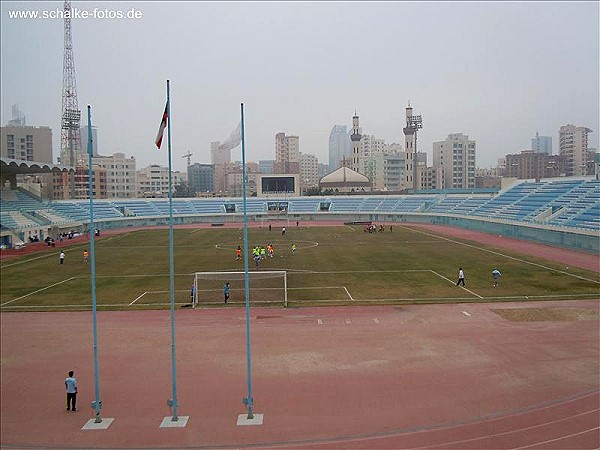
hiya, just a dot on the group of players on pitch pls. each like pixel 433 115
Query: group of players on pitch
pixel 260 252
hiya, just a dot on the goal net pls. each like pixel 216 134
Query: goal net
pixel 266 288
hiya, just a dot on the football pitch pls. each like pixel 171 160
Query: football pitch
pixel 340 265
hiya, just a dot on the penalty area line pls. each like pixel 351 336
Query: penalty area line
pixel 462 287
pixel 348 293
pixel 35 292
pixel 144 293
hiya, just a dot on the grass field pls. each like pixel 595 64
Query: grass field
pixel 332 265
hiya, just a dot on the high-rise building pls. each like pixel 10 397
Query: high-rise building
pixel 265 166
pixel 355 136
pixel 541 144
pixel 369 145
pixel 84 139
pixel 201 177
pixel 340 146
pixel 18 118
pixel 76 185
pixel 573 147
pixel 219 156
pixel 530 165
pixel 309 171
pixel 120 175
pixel 456 157
pixel 287 154
pixel 26 143
pixel 153 181
pixel 384 170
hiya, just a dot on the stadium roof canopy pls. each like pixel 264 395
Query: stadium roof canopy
pixel 16 166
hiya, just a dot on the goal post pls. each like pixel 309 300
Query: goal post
pixel 267 287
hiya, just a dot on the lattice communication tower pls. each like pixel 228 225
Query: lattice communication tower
pixel 70 136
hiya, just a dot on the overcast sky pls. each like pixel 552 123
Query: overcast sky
pixel 497 72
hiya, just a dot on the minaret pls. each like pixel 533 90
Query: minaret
pixel 355 138
pixel 413 123
pixel 409 148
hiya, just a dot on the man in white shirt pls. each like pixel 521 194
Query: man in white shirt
pixel 71 385
pixel 461 277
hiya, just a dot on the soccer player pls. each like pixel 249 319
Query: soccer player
pixel 238 253
pixel 85 256
pixel 293 249
pixel 271 250
pixel 192 294
pixel 461 277
pixel 226 291
pixel 263 253
pixel 496 276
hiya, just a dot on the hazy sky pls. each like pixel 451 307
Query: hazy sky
pixel 497 72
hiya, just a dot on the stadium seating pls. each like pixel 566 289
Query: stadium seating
pixel 572 203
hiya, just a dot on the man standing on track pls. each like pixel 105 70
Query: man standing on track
pixel 71 386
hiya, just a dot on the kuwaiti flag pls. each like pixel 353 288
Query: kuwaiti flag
pixel 234 139
pixel 163 125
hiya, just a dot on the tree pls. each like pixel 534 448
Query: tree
pixel 183 190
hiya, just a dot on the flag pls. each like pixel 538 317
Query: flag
pixel 163 125
pixel 234 139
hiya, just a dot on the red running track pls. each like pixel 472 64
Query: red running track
pixel 417 376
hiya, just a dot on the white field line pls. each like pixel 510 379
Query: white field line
pixel 48 255
pixel 144 293
pixel 87 307
pixel 320 321
pixel 462 287
pixel 503 255
pixel 376 320
pixel 348 293
pixel 35 292
pixel 466 314
pixel 351 227
pixel 348 321
pixel 312 287
pixel 310 272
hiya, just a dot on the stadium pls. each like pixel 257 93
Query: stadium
pixel 360 339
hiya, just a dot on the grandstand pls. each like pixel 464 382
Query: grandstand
pixel 557 211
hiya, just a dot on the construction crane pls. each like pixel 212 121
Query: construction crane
pixel 189 157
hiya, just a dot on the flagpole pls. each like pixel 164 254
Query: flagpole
pixel 248 400
pixel 97 404
pixel 173 401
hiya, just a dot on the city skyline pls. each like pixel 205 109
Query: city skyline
pixel 301 68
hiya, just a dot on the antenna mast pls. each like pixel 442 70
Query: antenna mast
pixel 70 135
